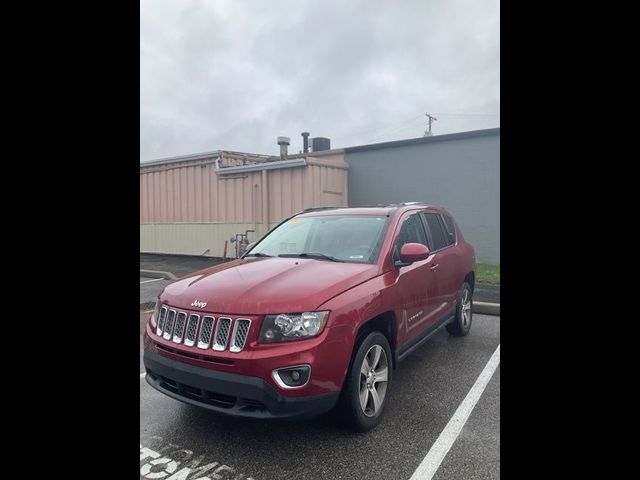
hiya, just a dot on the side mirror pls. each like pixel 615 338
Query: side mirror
pixel 412 252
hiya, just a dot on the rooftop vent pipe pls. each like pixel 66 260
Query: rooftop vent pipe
pixel 305 142
pixel 284 144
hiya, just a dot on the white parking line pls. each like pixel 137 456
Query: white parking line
pixel 152 280
pixel 429 465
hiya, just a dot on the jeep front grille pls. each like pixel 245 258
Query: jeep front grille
pixel 178 332
pixel 192 329
pixel 168 329
pixel 222 334
pixel 205 332
pixel 161 320
pixel 240 333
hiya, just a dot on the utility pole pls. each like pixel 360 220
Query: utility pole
pixel 431 118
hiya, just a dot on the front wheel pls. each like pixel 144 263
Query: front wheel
pixel 462 321
pixel 368 382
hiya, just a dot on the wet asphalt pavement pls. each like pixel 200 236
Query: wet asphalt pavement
pixel 428 388
pixel 150 288
pixel 179 265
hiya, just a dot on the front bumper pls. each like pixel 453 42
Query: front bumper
pixel 229 393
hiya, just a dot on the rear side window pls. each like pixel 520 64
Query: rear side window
pixel 438 236
pixel 451 230
pixel 412 231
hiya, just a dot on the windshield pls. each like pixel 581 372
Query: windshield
pixel 344 238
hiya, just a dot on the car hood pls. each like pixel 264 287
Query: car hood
pixel 266 285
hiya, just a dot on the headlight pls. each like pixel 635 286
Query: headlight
pixel 292 326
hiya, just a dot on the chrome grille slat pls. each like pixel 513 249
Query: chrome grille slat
pixel 192 330
pixel 205 332
pixel 240 334
pixel 222 334
pixel 161 320
pixel 168 331
pixel 178 332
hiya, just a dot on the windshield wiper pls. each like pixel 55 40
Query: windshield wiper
pixel 319 256
pixel 258 254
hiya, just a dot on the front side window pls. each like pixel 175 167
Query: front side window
pixel 411 231
pixel 346 238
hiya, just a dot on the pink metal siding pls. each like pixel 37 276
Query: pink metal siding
pixel 192 192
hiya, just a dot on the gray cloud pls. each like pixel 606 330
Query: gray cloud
pixel 236 74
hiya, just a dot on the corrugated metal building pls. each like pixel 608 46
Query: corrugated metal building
pixel 192 204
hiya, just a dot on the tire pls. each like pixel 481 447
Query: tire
pixel 356 387
pixel 464 312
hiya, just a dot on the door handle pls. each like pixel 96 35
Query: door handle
pixel 434 267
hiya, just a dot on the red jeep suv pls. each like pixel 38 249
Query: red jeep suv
pixel 318 312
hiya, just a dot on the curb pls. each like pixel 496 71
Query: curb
pixel 157 274
pixel 486 308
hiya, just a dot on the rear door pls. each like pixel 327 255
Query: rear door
pixel 416 285
pixel 445 263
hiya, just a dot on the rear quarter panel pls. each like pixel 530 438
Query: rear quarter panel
pixel 466 253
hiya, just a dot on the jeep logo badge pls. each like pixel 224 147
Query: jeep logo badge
pixel 199 304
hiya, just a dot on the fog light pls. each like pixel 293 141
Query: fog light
pixel 292 377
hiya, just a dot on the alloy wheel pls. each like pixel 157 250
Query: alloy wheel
pixel 466 308
pixel 374 374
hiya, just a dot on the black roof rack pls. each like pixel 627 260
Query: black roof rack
pixel 314 209
pixel 408 204
pixel 380 205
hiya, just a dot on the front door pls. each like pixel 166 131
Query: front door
pixel 416 282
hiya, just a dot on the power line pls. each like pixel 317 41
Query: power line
pixel 385 138
pixel 396 129
pixel 469 114
pixel 380 132
pixel 382 128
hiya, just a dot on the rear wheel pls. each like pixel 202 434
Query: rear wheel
pixel 463 317
pixel 368 382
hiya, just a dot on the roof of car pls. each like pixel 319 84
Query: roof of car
pixel 367 210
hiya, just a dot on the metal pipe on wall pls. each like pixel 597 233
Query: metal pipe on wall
pixel 265 203
pixel 254 206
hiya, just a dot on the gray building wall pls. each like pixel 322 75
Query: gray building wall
pixel 460 172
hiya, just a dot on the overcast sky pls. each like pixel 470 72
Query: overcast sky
pixel 236 74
